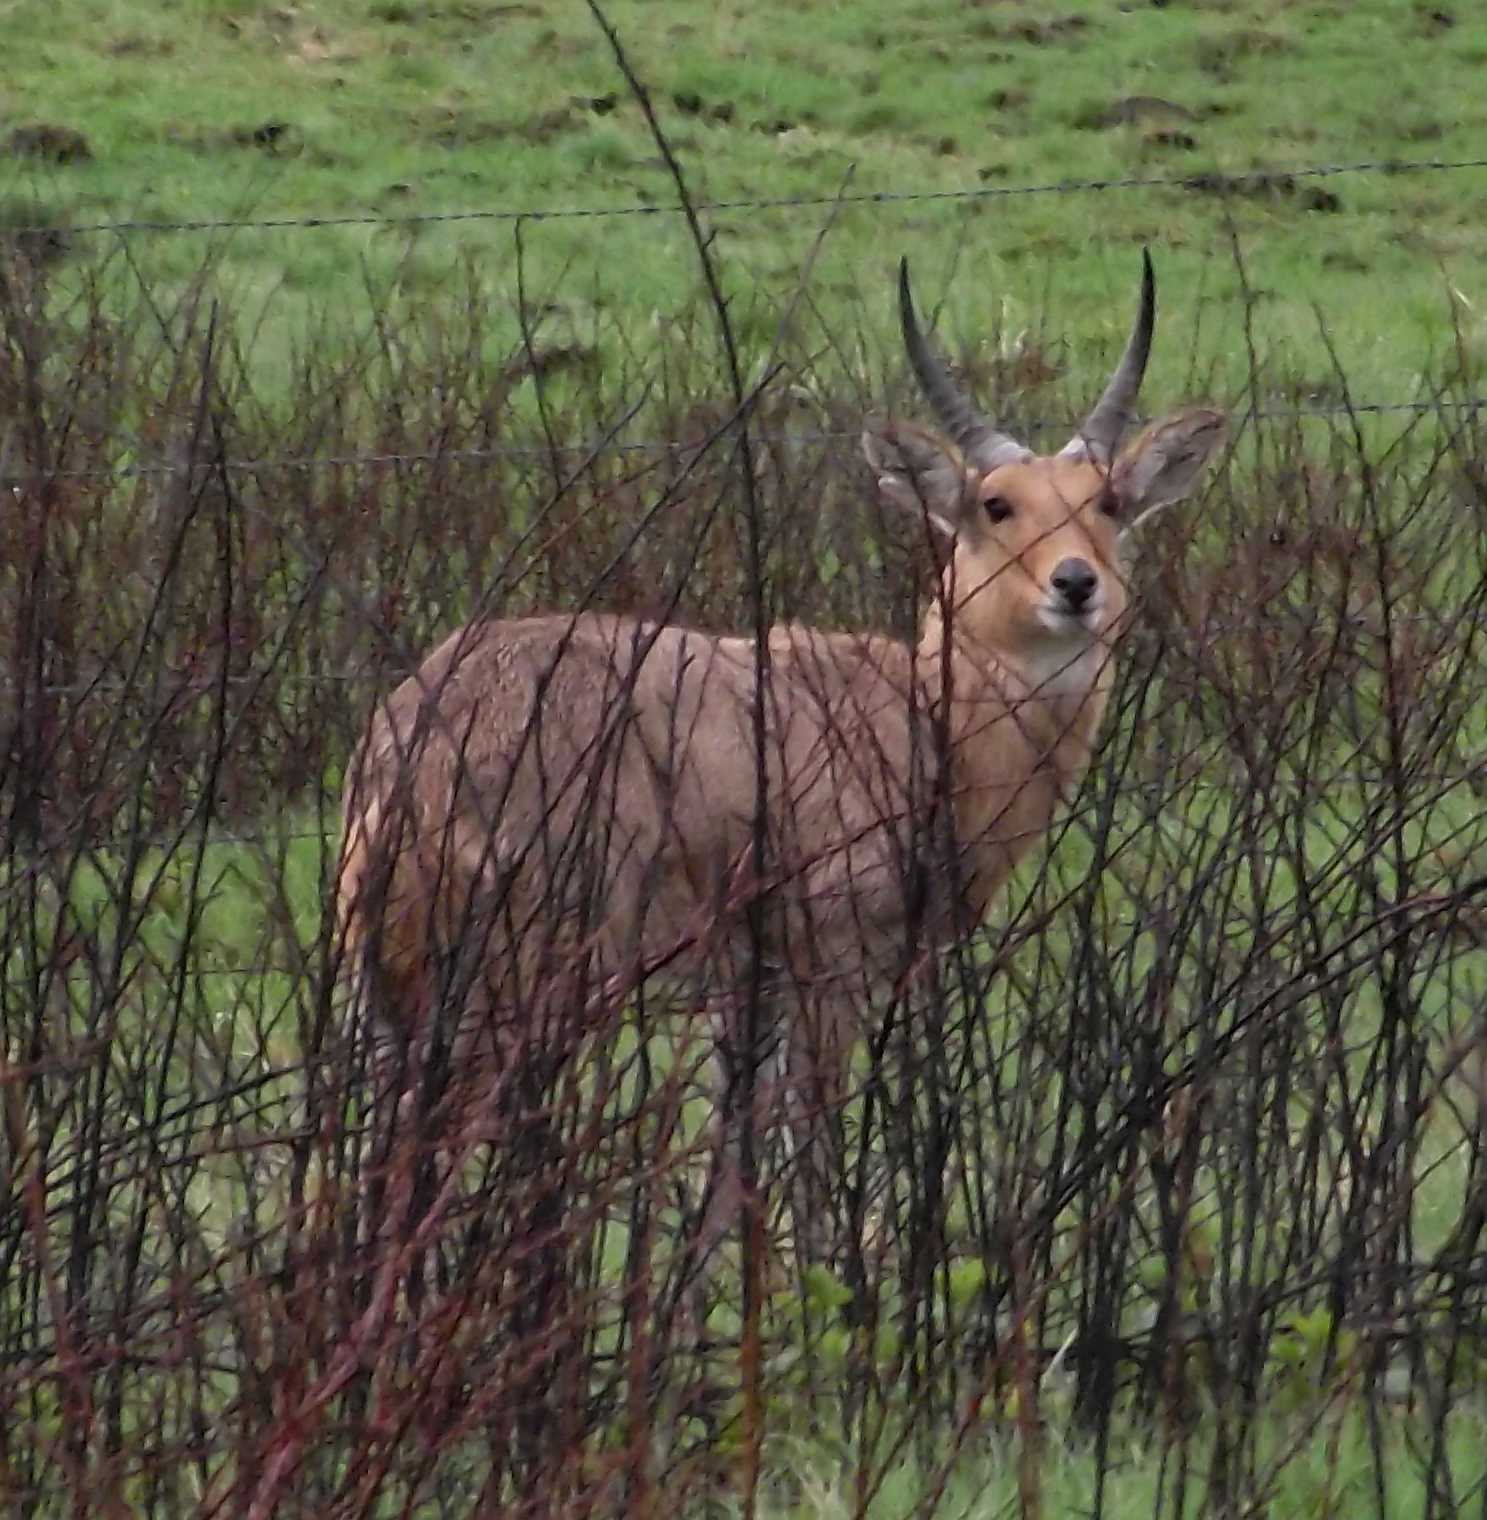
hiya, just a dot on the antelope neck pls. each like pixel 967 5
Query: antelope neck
pixel 1056 720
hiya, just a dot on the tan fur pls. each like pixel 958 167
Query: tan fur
pixel 568 799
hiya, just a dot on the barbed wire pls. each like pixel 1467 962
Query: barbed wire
pixel 600 447
pixel 1218 181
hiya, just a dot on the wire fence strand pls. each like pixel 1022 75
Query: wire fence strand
pixel 1210 180
pixel 601 447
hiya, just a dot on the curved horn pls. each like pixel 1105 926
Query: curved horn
pixel 977 438
pixel 1099 435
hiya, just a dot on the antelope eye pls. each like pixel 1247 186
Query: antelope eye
pixel 997 508
pixel 1109 502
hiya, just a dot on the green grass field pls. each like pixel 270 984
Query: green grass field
pixel 212 109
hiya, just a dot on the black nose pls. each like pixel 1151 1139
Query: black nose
pixel 1075 581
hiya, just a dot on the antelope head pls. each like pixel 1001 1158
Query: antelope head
pixel 1036 574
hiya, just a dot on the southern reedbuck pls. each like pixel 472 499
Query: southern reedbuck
pixel 558 804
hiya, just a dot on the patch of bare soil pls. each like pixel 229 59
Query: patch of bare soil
pixel 1040 33
pixel 133 46
pixel 412 12
pixel 1280 188
pixel 689 103
pixel 1008 99
pixel 1220 54
pixel 1434 20
pixel 273 136
pixel 1132 110
pixel 1169 138
pixel 48 142
pixel 452 130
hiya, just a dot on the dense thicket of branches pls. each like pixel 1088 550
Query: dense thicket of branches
pixel 1191 1133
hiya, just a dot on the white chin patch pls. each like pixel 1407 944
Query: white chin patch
pixel 1077 627
pixel 1070 662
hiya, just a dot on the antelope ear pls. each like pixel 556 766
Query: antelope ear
pixel 920 472
pixel 1162 465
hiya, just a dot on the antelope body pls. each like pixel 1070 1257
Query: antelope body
pixel 553 802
